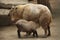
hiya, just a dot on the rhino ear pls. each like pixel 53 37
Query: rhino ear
pixel 13 7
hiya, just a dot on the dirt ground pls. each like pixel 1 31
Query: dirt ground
pixel 10 32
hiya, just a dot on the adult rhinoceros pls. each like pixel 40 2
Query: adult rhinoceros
pixel 33 12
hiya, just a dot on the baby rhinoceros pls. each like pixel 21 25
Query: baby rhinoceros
pixel 27 26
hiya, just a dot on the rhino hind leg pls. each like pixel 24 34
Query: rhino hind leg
pixel 18 32
pixel 49 33
pixel 35 33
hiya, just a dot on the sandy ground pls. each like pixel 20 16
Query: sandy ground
pixel 10 32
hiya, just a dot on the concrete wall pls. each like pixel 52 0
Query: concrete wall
pixel 13 1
